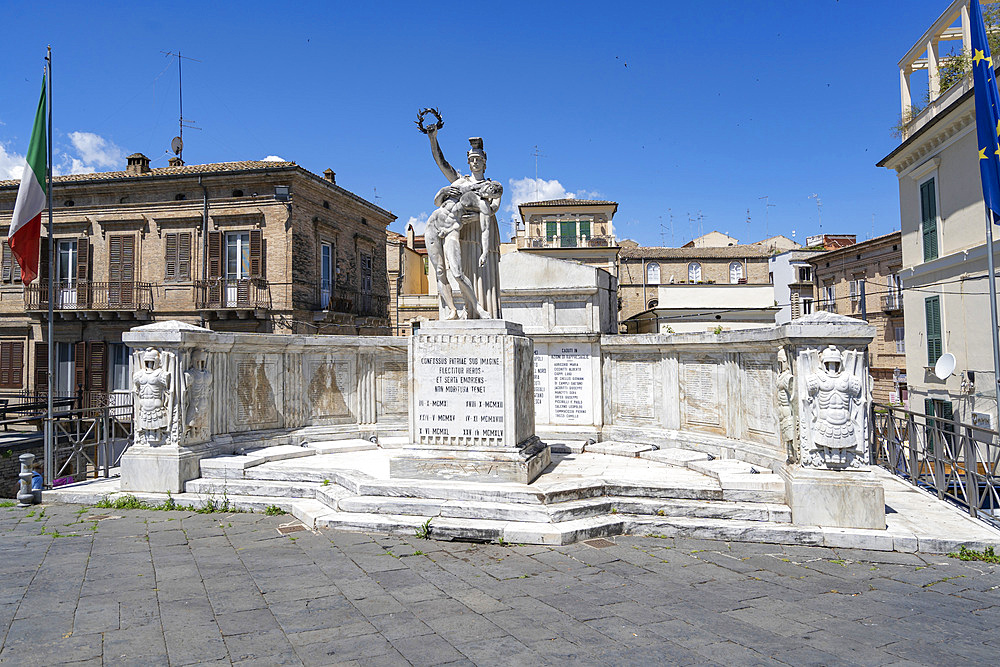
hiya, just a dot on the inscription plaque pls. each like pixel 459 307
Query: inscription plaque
pixel 702 393
pixel 254 393
pixel 758 397
pixel 392 388
pixel 541 382
pixel 572 391
pixel 634 387
pixel 456 402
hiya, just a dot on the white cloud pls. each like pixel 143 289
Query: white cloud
pixel 538 189
pixel 95 151
pixel 419 223
pixel 11 165
pixel 274 158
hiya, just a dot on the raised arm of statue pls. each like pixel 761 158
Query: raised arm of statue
pixel 446 169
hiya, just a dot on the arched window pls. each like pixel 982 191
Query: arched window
pixel 735 272
pixel 653 273
pixel 694 272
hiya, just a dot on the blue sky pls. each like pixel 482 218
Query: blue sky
pixel 669 108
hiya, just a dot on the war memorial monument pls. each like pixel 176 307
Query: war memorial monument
pixel 539 429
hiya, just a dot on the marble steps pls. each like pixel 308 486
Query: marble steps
pixel 479 530
pixel 248 487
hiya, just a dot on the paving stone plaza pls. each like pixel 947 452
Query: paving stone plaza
pixel 95 586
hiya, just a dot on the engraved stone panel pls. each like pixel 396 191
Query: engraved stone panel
pixel 703 393
pixel 330 387
pixel 633 394
pixel 757 386
pixel 572 384
pixel 541 382
pixel 256 402
pixel 391 386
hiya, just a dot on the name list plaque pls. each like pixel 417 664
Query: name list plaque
pixel 457 402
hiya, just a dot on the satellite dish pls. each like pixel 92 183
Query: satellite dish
pixel 945 366
pixel 177 145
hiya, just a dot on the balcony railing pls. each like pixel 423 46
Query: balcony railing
pixel 354 302
pixel 892 302
pixel 828 306
pixel 86 295
pixel 566 242
pixel 235 294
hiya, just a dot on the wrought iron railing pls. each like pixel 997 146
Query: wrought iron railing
pixel 892 302
pixel 86 295
pixel 566 242
pixel 828 306
pixel 354 302
pixel 239 294
pixel 959 462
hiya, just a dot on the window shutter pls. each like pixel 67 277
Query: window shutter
pixel 932 317
pixel 263 258
pixel 170 260
pixel 550 230
pixel 585 228
pixel 82 264
pixel 41 368
pixel 928 215
pixel 16 364
pixel 256 238
pixel 214 267
pixel 98 365
pixel 928 407
pixel 5 267
pixel 80 366
pixel 184 256
pixel 6 365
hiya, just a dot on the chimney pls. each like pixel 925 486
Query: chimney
pixel 138 164
pixel 329 175
pixel 175 162
pixel 410 237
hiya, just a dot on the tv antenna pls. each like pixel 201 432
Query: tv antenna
pixel 748 226
pixel 819 209
pixel 177 144
pixel 767 205
pixel 536 154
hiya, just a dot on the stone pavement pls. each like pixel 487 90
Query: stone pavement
pixel 97 586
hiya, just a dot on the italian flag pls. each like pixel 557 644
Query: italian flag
pixel 26 225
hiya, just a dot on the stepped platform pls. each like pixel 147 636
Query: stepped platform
pixel 589 490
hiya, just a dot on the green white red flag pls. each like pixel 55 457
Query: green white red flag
pixel 26 224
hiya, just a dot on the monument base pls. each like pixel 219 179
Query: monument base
pixel 472 410
pixel 162 469
pixel 834 498
pixel 520 466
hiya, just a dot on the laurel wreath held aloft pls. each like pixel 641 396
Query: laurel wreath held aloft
pixel 420 120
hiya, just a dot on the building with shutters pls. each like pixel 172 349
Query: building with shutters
pixel 944 271
pixel 578 230
pixel 263 247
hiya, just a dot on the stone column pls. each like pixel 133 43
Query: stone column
pixel 472 411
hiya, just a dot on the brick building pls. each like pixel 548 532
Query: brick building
pixel 863 281
pixel 239 246
pixel 412 287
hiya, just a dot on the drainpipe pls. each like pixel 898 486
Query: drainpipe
pixel 204 241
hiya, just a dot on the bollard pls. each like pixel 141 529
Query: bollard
pixel 25 496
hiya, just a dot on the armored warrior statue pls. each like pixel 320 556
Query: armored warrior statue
pixel 197 387
pixel 152 386
pixel 787 407
pixel 835 398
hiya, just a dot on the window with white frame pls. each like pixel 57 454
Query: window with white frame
pixel 653 273
pixel 807 305
pixel 735 272
pixel 694 272
pixel 899 335
pixel 805 274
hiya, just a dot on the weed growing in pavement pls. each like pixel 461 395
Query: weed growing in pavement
pixel 423 532
pixel 987 555
pixel 130 502
pixel 274 510
pixel 326 482
pixel 7 503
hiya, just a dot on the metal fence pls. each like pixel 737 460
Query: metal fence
pixel 959 462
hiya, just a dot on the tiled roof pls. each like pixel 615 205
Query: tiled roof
pixel 860 247
pixel 569 202
pixel 213 168
pixel 738 251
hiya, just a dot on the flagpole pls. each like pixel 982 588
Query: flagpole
pixel 993 307
pixel 49 449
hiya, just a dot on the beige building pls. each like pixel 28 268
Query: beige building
pixel 713 239
pixel 863 281
pixel 943 220
pixel 696 288
pixel 239 246
pixel 413 294
pixel 578 230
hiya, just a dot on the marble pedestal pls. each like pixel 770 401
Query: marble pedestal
pixel 162 469
pixel 835 498
pixel 472 410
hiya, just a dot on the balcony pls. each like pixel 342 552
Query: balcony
pixel 241 296
pixel 530 242
pixel 828 306
pixel 83 299
pixel 349 301
pixel 892 303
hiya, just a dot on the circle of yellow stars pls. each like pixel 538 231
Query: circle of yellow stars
pixel 978 58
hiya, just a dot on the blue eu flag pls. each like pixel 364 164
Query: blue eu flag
pixel 987 112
